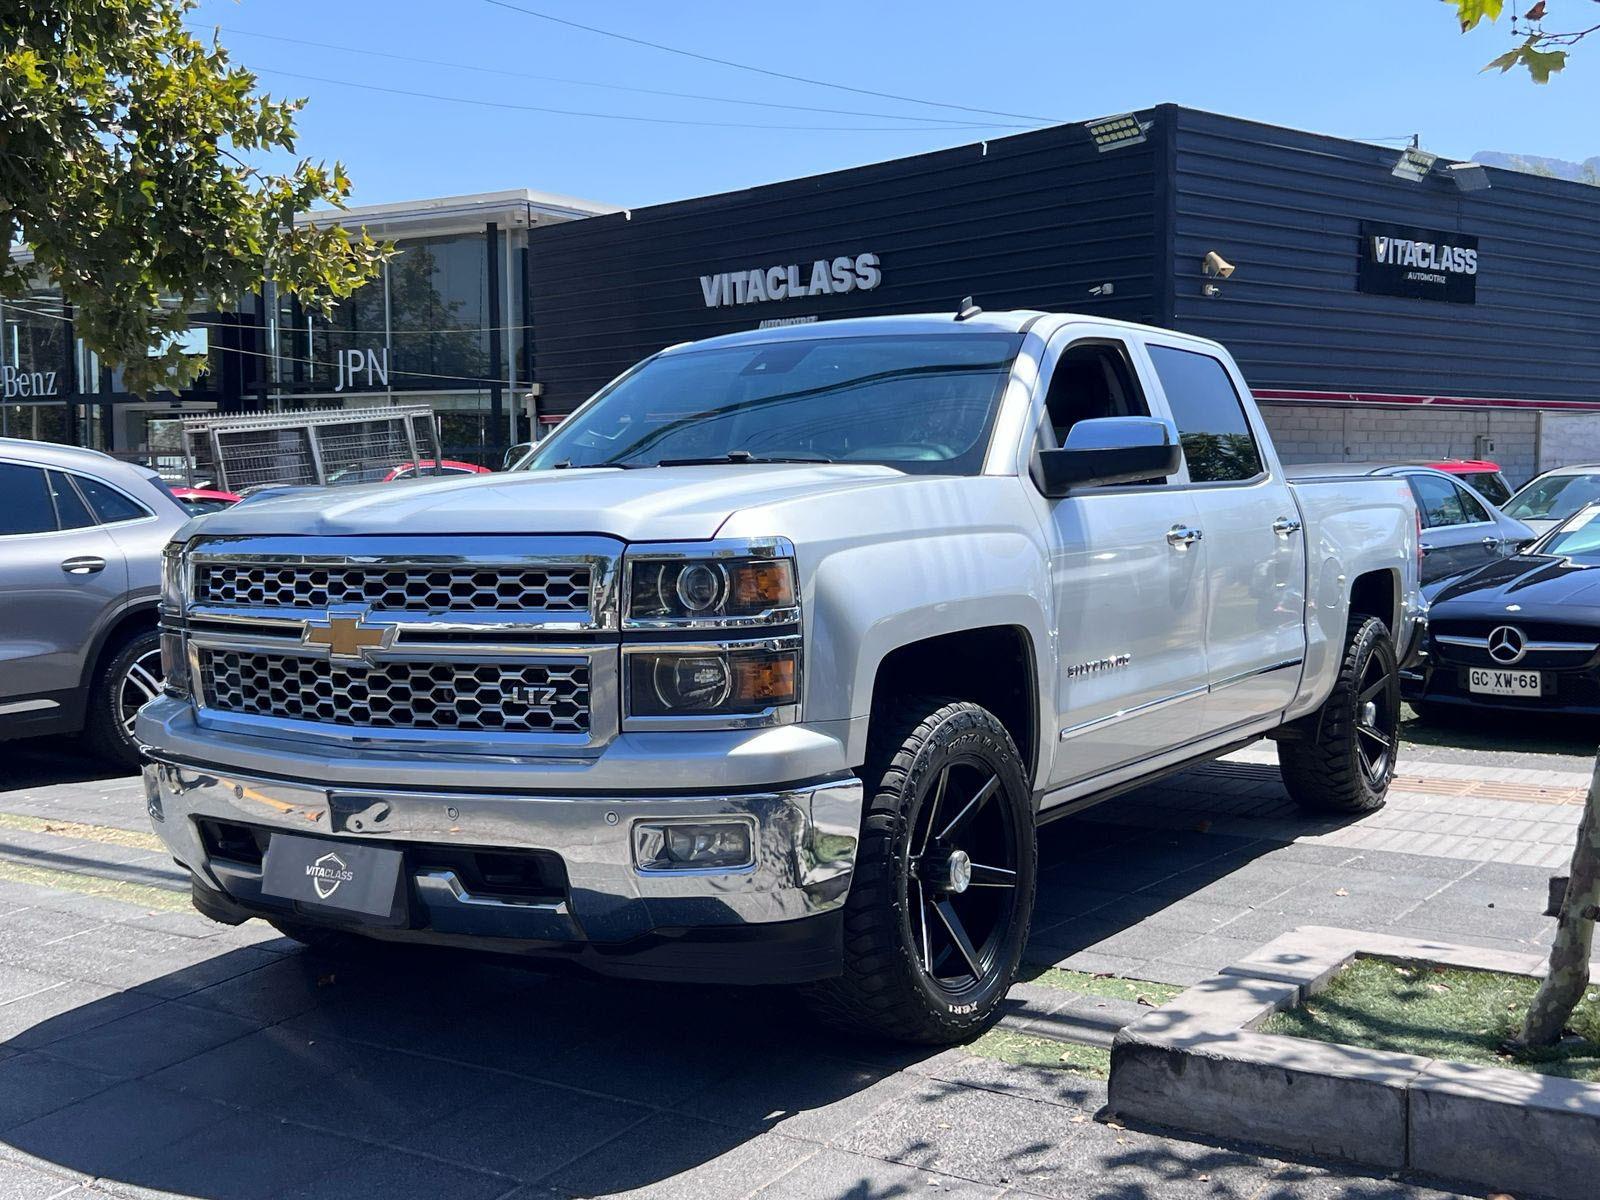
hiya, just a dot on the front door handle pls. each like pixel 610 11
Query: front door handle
pixel 1181 537
pixel 1425 547
pixel 88 564
pixel 1284 526
pixel 1493 543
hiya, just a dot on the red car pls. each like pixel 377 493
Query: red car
pixel 199 501
pixel 427 467
pixel 1480 473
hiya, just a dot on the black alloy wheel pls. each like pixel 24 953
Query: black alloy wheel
pixel 962 881
pixel 1377 720
pixel 942 893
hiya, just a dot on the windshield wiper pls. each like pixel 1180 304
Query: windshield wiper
pixel 740 456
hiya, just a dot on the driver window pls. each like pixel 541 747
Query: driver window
pixel 1092 379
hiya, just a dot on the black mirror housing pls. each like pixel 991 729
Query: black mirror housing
pixel 1108 450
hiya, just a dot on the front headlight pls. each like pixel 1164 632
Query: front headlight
pixel 728 680
pixel 735 586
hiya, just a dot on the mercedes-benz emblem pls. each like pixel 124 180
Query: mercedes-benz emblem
pixel 1507 645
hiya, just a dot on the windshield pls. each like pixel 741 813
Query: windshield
pixel 1578 538
pixel 918 403
pixel 1555 498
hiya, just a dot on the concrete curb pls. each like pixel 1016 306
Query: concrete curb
pixel 1197 1063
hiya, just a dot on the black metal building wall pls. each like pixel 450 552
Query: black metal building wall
pixel 1030 221
pixel 1285 208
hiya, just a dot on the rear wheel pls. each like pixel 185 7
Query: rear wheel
pixel 124 684
pixel 942 896
pixel 1346 760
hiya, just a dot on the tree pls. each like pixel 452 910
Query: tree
pixel 1568 975
pixel 1542 52
pixel 125 148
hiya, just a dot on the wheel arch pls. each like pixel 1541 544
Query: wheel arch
pixel 995 666
pixel 131 621
pixel 1377 594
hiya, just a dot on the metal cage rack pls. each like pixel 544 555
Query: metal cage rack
pixel 317 446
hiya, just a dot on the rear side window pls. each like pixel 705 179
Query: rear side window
pixel 1470 506
pixel 1444 504
pixel 71 511
pixel 1217 442
pixel 109 504
pixel 25 501
pixel 1492 485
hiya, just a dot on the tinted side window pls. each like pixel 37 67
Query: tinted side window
pixel 1216 437
pixel 109 504
pixel 24 501
pixel 71 511
pixel 1470 508
pixel 1092 380
pixel 1439 500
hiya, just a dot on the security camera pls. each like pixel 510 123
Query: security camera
pixel 1215 264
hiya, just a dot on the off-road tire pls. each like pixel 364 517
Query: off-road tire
pixel 883 991
pixel 102 721
pixel 1323 769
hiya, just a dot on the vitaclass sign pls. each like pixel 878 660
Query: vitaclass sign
pixel 793 281
pixel 1423 264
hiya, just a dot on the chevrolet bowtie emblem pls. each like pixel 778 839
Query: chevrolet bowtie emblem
pixel 348 635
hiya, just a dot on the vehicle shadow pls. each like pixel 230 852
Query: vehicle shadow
pixel 1503 732
pixel 39 762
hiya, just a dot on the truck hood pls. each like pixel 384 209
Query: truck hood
pixel 647 504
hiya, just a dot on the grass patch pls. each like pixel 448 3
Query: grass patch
pixel 79 831
pixel 1019 1049
pixel 1109 987
pixel 139 894
pixel 1440 1012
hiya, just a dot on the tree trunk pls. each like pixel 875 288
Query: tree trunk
pixel 1569 957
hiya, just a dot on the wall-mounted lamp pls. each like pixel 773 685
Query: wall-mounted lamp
pixel 1213 264
pixel 1469 176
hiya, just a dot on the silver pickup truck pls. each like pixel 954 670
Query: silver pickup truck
pixel 766 665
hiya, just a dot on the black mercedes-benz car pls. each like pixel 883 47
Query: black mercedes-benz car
pixel 1522 633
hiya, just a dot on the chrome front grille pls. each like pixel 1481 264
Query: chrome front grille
pixel 383 588
pixel 419 644
pixel 501 697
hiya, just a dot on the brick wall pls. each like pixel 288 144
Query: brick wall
pixel 1569 438
pixel 1329 433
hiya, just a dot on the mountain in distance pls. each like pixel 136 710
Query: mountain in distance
pixel 1588 171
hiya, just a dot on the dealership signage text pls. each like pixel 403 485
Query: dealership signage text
pixel 15 383
pixel 1422 264
pixel 793 281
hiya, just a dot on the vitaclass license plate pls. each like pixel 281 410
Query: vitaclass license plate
pixel 1485 681
pixel 355 878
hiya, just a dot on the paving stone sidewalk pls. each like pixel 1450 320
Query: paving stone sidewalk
pixel 144 1050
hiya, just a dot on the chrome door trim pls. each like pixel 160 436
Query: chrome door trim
pixel 1138 710
pixel 1230 680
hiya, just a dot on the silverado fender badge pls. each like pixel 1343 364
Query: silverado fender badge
pixel 1096 666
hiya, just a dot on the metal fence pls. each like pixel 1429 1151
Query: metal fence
pixel 313 447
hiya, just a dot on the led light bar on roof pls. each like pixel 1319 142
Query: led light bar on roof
pixel 1414 164
pixel 1112 133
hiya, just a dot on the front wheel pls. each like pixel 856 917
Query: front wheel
pixel 938 911
pixel 1345 760
pixel 127 681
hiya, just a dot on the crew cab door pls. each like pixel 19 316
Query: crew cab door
pixel 1254 566
pixel 1127 583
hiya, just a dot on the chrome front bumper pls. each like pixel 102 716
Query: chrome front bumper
pixel 805 847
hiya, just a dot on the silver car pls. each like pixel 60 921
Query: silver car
pixel 1550 499
pixel 80 578
pixel 1461 529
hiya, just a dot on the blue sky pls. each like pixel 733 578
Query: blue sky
pixel 1357 68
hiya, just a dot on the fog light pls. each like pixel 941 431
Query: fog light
pixel 697 846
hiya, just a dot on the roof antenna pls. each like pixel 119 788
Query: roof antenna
pixel 968 309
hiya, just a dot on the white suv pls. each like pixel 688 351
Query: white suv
pixel 80 576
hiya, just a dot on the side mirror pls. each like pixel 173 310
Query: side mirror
pixel 1106 450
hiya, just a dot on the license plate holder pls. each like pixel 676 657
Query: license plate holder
pixel 1503 681
pixel 338 876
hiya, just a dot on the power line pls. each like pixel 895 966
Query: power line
pixel 590 83
pixel 569 112
pixel 739 66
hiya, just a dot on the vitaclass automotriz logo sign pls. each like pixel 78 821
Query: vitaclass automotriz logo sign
pixel 327 873
pixel 1422 264
pixel 793 281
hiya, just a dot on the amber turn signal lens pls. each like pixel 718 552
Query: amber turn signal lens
pixel 757 585
pixel 763 679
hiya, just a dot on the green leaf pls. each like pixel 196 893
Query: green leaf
pixel 1541 64
pixel 1471 12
